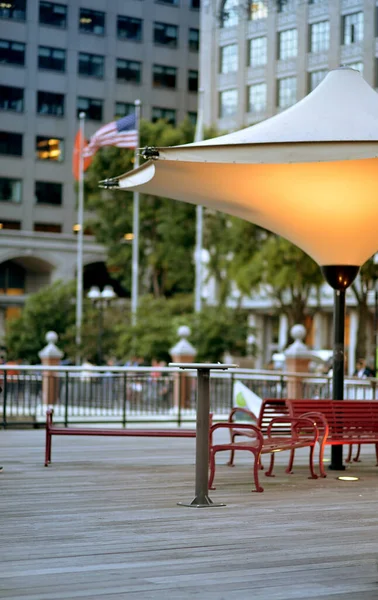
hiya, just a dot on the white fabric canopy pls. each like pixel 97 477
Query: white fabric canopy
pixel 309 174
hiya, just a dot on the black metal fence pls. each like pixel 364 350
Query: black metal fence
pixel 125 395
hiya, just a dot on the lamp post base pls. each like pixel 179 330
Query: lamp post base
pixel 201 502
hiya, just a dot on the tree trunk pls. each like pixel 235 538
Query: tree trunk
pixel 296 312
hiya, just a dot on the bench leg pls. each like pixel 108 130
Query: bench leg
pixel 48 447
pixel 256 468
pixel 289 468
pixel 311 463
pixel 232 452
pixel 269 472
pixel 211 468
pixel 321 460
pixel 357 457
pixel 349 457
pixel 376 453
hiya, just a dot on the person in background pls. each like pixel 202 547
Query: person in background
pixel 362 370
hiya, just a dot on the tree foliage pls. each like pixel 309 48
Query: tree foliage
pixel 167 227
pixel 361 288
pixel 50 309
pixel 287 274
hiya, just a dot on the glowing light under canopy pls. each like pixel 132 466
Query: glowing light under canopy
pixel 309 174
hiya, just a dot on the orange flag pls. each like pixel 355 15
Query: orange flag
pixel 76 155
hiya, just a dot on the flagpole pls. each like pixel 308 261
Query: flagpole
pixel 135 247
pixel 198 137
pixel 80 234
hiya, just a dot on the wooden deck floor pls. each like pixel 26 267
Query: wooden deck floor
pixel 104 525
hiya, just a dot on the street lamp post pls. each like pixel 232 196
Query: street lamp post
pixel 101 299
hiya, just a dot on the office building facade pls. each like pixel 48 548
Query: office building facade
pixel 258 58
pixel 56 60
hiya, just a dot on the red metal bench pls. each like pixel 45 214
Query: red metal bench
pixel 350 422
pixel 300 432
pixel 52 429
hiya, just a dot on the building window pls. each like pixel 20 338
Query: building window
pixel 166 35
pixel 12 53
pixel 193 39
pixel 192 80
pixel 53 59
pixel 170 2
pixel 228 103
pixel 316 77
pixel 92 21
pixel 257 98
pixel 287 44
pixel 357 66
pixel 122 109
pixel 229 13
pixel 13 9
pixel 258 9
pixel 10 143
pixel 49 103
pixel 319 37
pixel 285 5
pixel 53 14
pixel 91 107
pixel 229 58
pixel 47 227
pixel 91 65
pixel 12 225
pixel 192 116
pixel 49 148
pixel 10 190
pixel 47 192
pixel 128 70
pixel 11 98
pixel 353 28
pixel 195 4
pixel 129 28
pixel 167 114
pixel 164 77
pixel 287 92
pixel 258 52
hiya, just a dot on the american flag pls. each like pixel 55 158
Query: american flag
pixel 122 133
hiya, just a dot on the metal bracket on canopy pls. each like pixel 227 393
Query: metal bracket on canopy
pixel 107 184
pixel 150 153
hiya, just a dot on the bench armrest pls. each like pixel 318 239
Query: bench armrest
pixel 296 423
pixel 245 411
pixel 321 423
pixel 240 426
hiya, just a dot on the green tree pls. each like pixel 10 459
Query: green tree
pixel 213 331
pixel 231 242
pixel 155 331
pixel 361 288
pixel 287 273
pixel 50 309
pixel 167 227
pixel 216 330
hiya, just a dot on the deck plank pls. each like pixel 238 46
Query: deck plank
pixel 102 523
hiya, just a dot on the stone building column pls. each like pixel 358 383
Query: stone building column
pixel 50 356
pixel 182 352
pixel 298 357
pixel 352 342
